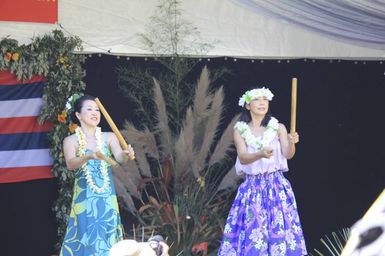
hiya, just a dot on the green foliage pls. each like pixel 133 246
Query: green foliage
pixel 171 39
pixel 168 34
pixel 334 244
pixel 51 56
pixel 181 167
pixel 181 176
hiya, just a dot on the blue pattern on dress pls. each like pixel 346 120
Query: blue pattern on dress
pixel 94 224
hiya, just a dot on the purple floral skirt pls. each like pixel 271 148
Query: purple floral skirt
pixel 263 219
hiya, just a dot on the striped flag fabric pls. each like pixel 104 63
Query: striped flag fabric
pixel 24 147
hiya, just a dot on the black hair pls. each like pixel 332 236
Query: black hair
pixel 78 107
pixel 246 116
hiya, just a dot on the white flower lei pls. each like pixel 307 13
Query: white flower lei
pixel 248 96
pixel 68 104
pixel 268 135
pixel 71 101
pixel 104 166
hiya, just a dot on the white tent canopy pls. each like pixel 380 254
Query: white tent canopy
pixel 237 30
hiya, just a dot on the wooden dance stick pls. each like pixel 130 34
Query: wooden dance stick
pixel 293 105
pixel 115 129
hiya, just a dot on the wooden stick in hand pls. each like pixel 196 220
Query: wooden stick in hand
pixel 293 105
pixel 115 129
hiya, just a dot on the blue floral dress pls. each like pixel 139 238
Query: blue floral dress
pixel 94 224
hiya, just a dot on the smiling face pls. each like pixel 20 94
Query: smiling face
pixel 89 114
pixel 259 106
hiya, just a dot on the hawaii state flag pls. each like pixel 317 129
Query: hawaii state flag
pixel 43 11
pixel 24 148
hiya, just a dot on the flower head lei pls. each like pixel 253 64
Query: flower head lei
pixel 104 165
pixel 253 94
pixel 69 108
pixel 71 101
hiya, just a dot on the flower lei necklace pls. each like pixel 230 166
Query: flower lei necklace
pixel 104 167
pixel 257 142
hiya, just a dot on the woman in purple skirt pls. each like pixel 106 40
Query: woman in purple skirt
pixel 263 219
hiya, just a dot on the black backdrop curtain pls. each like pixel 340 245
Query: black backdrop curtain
pixel 339 167
pixel 338 170
pixel 27 222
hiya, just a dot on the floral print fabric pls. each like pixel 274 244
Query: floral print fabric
pixel 263 219
pixel 94 224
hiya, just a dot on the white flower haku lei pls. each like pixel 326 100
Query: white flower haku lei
pixel 71 101
pixel 248 96
pixel 68 105
pixel 104 166
pixel 267 138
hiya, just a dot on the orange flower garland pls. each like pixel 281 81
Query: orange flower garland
pixel 8 56
pixel 15 56
pixel 62 117
pixel 72 127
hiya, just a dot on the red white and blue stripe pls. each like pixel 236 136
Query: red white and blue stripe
pixel 24 147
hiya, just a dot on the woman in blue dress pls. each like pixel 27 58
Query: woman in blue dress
pixel 94 223
pixel 263 219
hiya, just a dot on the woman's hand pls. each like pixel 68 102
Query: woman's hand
pixel 101 156
pixel 267 152
pixel 293 138
pixel 130 153
pixel 93 155
pixel 287 141
pixel 97 155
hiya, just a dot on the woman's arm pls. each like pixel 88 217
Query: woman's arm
pixel 288 142
pixel 243 155
pixel 72 161
pixel 119 154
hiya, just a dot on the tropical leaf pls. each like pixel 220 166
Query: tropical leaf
pixel 334 244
